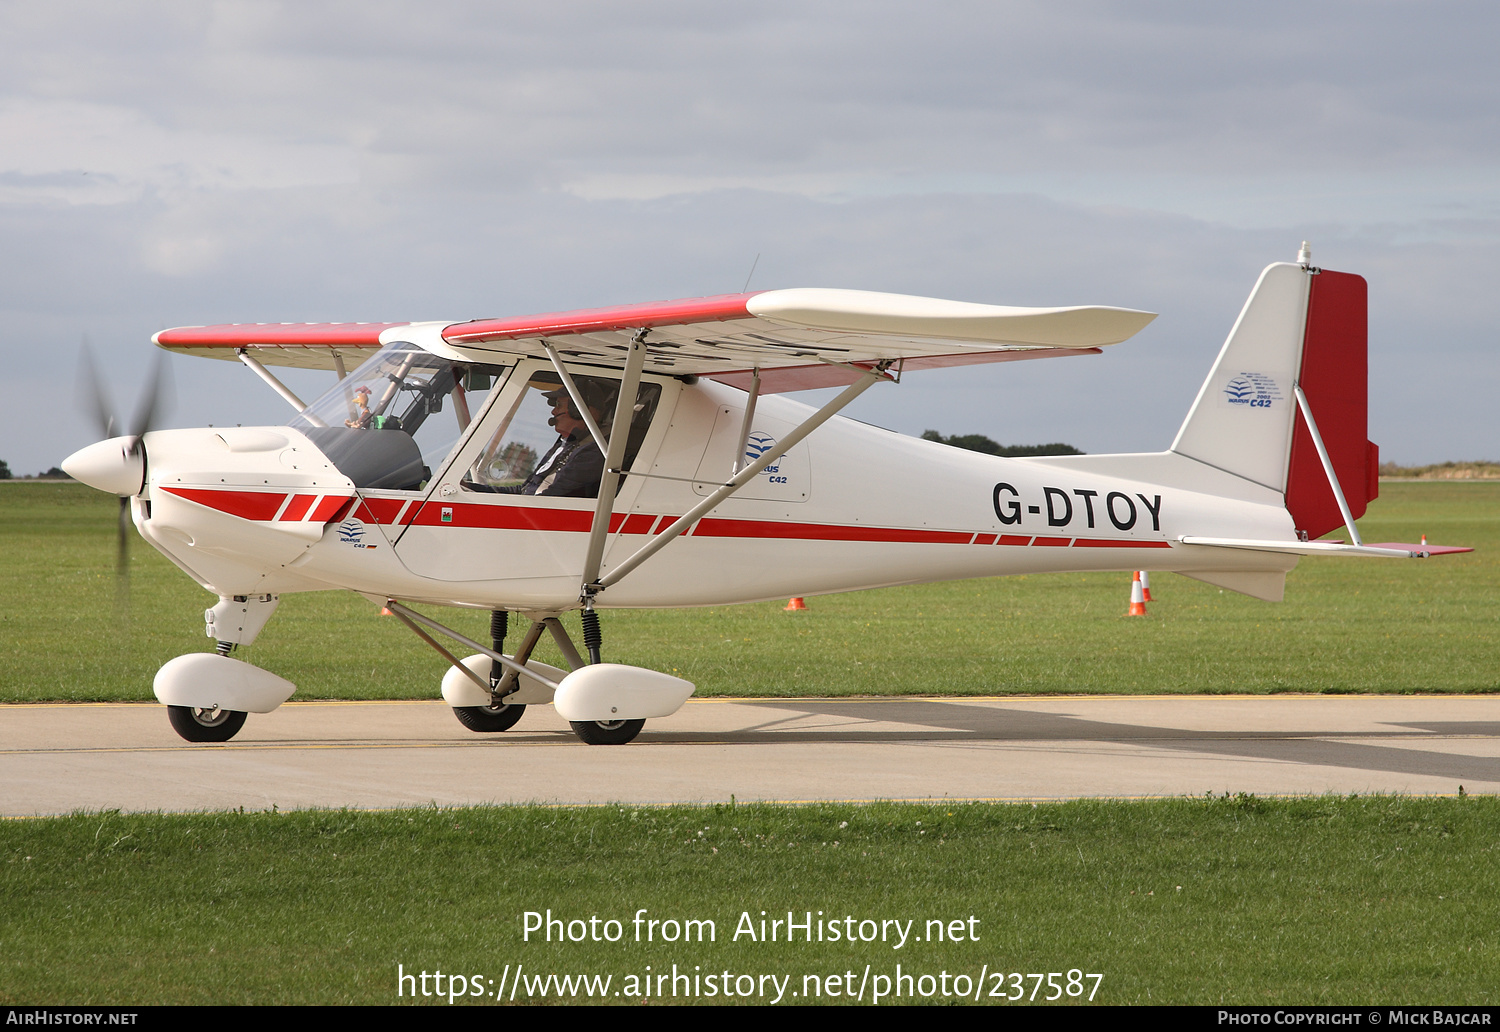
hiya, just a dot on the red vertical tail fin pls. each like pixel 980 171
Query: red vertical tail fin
pixel 1334 376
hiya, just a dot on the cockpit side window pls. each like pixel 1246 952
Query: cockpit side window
pixel 544 447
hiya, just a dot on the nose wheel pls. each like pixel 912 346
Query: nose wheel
pixel 205 725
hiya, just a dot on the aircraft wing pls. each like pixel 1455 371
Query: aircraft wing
pixel 799 338
pixel 304 345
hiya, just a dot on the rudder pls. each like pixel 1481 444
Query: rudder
pixel 1335 377
pixel 1300 327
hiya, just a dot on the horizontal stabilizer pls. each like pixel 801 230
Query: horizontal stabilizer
pixel 1389 550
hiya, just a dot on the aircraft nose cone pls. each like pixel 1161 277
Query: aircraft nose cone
pixel 110 465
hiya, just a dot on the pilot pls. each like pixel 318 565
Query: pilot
pixel 573 466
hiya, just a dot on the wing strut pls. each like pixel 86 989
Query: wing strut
pixel 739 480
pixel 1333 480
pixel 578 402
pixel 277 386
pixel 619 434
pixel 739 456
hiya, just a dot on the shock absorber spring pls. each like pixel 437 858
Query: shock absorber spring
pixel 499 624
pixel 593 637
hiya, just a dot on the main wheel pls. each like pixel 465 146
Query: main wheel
pixel 489 718
pixel 205 725
pixel 607 732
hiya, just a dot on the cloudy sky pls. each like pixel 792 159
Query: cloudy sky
pixel 169 164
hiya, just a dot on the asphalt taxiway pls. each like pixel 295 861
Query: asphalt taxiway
pixel 60 758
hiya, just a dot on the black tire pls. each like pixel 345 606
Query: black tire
pixel 201 725
pixel 485 719
pixel 607 732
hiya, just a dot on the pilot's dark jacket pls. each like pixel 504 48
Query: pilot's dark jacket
pixel 572 468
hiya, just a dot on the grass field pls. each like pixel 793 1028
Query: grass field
pixel 1347 626
pixel 1207 901
pixel 1233 900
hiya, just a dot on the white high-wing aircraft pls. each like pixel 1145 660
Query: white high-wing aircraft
pixel 639 457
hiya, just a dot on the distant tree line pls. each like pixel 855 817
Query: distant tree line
pixel 1480 470
pixel 54 472
pixel 981 443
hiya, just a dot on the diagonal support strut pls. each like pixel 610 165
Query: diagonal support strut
pixel 1333 480
pixel 743 477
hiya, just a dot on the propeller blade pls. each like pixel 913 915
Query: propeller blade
pixel 122 563
pixel 95 399
pixel 122 554
pixel 148 411
pixel 152 403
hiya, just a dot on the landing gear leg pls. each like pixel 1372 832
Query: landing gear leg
pixel 499 715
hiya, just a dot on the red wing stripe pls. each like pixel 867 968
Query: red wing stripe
pixel 1052 542
pixel 1014 539
pixel 599 320
pixel 248 505
pixel 304 335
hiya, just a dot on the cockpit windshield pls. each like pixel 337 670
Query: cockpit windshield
pixel 382 425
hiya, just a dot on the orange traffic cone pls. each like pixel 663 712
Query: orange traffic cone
pixel 1137 597
pixel 795 603
pixel 1424 540
pixel 1146 586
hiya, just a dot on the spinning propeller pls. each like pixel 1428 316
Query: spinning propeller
pixel 117 463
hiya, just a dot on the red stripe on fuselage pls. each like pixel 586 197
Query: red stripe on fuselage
pixel 328 508
pixel 516 517
pixel 379 510
pixel 263 506
pixel 712 527
pixel 503 517
pixel 1118 543
pixel 248 505
pixel 297 508
pixel 639 523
